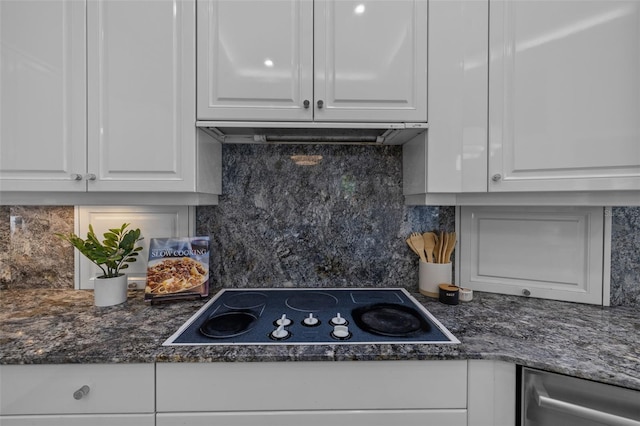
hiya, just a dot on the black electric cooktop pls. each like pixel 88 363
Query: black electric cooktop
pixel 311 316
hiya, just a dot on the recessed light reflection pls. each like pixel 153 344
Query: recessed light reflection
pixel 306 160
pixel 268 62
pixel 359 10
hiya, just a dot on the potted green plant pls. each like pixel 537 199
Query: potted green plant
pixel 113 254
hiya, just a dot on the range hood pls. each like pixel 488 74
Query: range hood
pixel 312 132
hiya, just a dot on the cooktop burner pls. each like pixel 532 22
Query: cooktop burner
pixel 245 300
pixel 311 316
pixel 311 301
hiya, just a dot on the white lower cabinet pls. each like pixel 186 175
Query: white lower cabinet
pixel 77 394
pixel 366 393
pixel 314 393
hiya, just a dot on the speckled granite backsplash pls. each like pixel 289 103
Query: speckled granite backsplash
pixel 30 255
pixel 339 223
pixel 625 256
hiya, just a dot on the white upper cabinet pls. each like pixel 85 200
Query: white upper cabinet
pixel 564 95
pixel 43 95
pixel 255 60
pixel 451 157
pixel 321 60
pixel 530 102
pixel 141 95
pixel 98 96
pixel 370 60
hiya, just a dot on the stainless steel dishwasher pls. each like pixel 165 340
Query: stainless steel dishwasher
pixel 550 399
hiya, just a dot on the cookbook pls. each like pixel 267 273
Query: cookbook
pixel 178 268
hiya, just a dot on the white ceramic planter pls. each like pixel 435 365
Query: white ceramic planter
pixel 110 291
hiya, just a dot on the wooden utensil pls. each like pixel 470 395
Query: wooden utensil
pixel 418 243
pixel 451 245
pixel 429 239
pixel 410 244
pixel 443 246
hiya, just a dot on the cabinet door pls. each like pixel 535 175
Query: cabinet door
pixel 141 95
pixel 451 157
pixel 564 95
pixel 547 252
pixel 370 60
pixel 43 102
pixel 255 60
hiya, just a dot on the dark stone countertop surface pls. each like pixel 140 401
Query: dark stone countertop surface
pixel 63 326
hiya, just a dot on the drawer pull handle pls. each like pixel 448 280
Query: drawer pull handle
pixel 90 176
pixel 81 393
pixel 543 400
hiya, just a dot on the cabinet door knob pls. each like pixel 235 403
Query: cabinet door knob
pixel 306 103
pixel 320 104
pixel 90 176
pixel 82 392
pixel 496 177
pixel 76 176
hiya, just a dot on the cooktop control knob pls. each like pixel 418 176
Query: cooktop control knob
pixel 283 320
pixel 338 320
pixel 341 332
pixel 280 333
pixel 311 321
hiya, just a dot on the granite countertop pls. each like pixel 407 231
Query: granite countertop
pixel 63 326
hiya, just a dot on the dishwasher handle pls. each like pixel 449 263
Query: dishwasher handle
pixel 543 400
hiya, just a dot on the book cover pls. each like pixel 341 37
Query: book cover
pixel 178 268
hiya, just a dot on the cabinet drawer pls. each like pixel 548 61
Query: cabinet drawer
pixel 318 418
pixel 80 420
pixel 49 389
pixel 272 386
